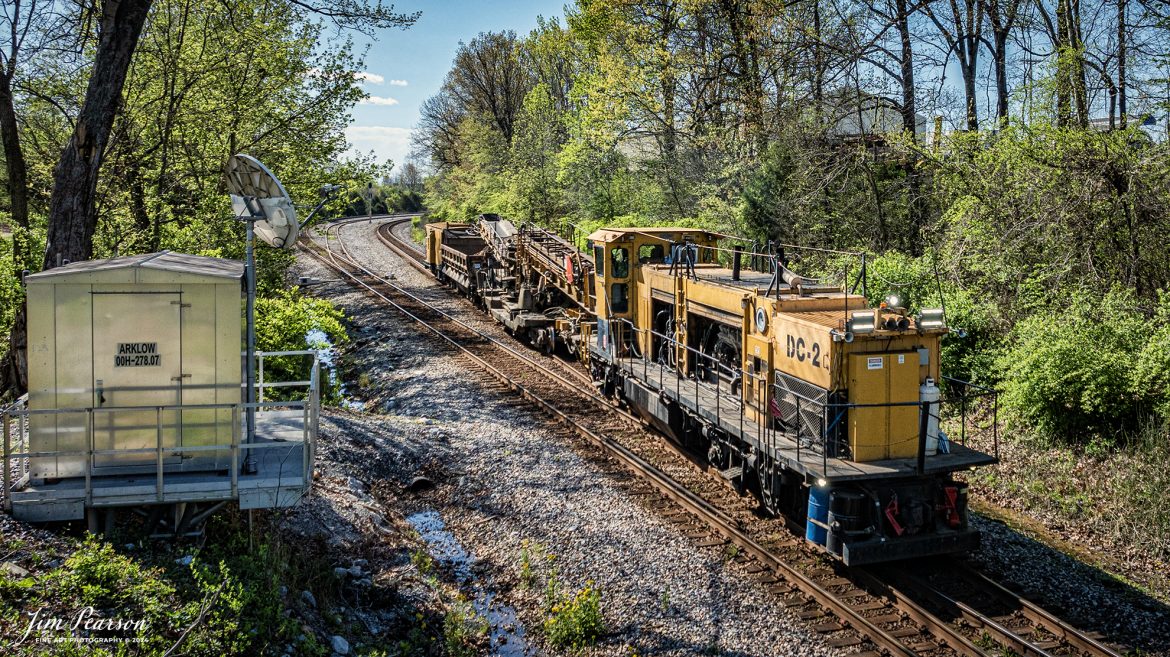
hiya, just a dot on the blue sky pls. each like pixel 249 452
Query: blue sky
pixel 403 68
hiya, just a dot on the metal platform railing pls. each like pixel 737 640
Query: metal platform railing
pixel 170 420
pixel 824 435
pixel 725 384
pixel 827 435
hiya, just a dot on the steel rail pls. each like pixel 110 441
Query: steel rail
pixel 523 354
pixel 1064 634
pixel 1043 618
pixel 942 628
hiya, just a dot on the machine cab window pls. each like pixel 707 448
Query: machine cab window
pixel 599 260
pixel 621 262
pixel 651 254
pixel 619 298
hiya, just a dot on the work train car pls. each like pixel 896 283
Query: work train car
pixel 825 407
pixel 531 280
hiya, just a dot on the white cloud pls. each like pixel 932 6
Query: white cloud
pixel 372 78
pixel 360 76
pixel 387 142
pixel 379 100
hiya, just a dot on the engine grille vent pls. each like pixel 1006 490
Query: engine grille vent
pixel 809 426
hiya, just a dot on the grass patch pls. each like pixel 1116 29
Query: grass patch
pixel 574 621
pixel 227 599
pixel 527 577
pixel 1116 495
pixel 418 231
pixel 423 561
pixel 465 632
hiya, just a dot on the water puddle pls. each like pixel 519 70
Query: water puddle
pixel 507 632
pixel 320 342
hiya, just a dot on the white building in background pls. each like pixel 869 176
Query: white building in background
pixel 866 116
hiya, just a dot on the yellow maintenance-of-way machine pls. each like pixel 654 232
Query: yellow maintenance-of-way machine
pixel 832 410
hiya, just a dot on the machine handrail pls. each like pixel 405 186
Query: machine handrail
pixel 826 407
pixel 297 352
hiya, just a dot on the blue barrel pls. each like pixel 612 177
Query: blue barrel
pixel 818 510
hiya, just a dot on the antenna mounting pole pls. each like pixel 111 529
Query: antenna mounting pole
pixel 250 370
pixel 262 203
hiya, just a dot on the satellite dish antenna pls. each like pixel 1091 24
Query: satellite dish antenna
pixel 258 197
pixel 260 201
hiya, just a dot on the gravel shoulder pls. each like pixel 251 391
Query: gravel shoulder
pixel 507 486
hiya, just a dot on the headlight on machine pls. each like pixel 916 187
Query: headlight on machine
pixel 862 321
pixel 931 319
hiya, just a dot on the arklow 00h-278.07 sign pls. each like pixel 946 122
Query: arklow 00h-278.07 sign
pixel 137 354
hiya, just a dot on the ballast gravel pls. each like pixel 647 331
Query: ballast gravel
pixel 1072 590
pixel 523 499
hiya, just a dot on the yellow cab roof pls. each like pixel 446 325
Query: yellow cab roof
pixel 610 234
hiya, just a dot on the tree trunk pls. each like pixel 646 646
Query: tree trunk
pixel 17 174
pixel 1063 77
pixel 1121 54
pixel 971 31
pixel 1079 85
pixel 748 80
pixel 1001 18
pixel 757 93
pixel 909 112
pixel 969 92
pixel 916 213
pixel 73 206
pixel 1001 90
pixel 963 36
pixel 818 81
pixel 1072 104
pixel 669 131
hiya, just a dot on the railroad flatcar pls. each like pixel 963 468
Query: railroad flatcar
pixel 826 407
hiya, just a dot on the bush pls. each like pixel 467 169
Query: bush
pixel 227 597
pixel 1151 374
pixel 575 621
pixel 1069 372
pixel 464 631
pixel 291 321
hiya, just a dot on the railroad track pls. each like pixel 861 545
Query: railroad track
pixel 871 612
pixel 396 234
pixel 987 610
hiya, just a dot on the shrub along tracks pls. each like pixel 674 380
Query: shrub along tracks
pixel 870 612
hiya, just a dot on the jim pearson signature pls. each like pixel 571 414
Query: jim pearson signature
pixel 85 619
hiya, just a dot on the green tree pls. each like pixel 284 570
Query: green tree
pixel 164 92
pixel 534 192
